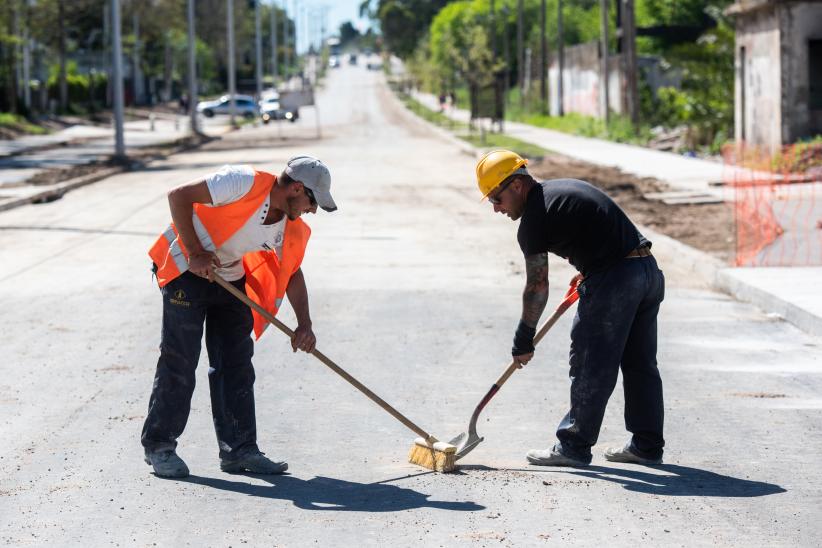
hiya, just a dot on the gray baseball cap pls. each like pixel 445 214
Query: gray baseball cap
pixel 314 175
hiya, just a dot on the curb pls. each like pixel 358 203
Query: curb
pixel 801 318
pixel 54 192
pixel 465 148
pixel 705 268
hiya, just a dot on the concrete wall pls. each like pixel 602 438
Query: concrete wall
pixel 800 22
pixel 581 81
pixel 758 91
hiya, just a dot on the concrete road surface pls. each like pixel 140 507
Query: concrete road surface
pixel 415 288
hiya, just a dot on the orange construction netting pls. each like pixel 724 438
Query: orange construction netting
pixel 777 203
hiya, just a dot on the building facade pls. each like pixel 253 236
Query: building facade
pixel 778 63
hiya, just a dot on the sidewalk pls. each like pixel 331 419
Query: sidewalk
pixel 21 159
pixel 795 294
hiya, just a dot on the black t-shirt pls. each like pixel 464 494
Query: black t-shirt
pixel 578 222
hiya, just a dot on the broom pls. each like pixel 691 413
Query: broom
pixel 427 451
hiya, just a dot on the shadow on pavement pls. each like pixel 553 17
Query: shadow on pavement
pixel 680 481
pixel 670 480
pixel 321 493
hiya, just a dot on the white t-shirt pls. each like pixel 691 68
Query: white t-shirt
pixel 226 186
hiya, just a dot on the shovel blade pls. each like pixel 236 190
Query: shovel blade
pixel 465 443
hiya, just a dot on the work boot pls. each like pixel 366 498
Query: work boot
pixel 166 464
pixel 253 461
pixel 552 457
pixel 627 454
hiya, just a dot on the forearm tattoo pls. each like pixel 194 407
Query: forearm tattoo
pixel 535 295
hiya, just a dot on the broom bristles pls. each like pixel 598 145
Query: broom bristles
pixel 437 455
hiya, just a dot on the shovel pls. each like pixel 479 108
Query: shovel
pixel 466 441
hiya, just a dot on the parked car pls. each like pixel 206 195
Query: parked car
pixel 352 58
pixel 374 63
pixel 243 106
pixel 270 109
pixel 334 61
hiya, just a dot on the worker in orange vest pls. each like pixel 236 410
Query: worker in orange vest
pixel 246 226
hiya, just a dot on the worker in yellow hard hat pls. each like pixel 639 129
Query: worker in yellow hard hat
pixel 615 326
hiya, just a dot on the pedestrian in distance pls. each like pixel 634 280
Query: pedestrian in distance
pixel 244 225
pixel 615 327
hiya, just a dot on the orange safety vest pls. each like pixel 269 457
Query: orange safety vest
pixel 267 275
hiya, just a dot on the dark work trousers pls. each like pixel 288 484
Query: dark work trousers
pixel 615 327
pixel 190 301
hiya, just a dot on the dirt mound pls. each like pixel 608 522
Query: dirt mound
pixel 707 227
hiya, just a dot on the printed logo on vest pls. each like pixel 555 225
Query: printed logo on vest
pixel 179 298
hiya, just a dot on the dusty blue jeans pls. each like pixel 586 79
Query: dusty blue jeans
pixel 189 304
pixel 615 328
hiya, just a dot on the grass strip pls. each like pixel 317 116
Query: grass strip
pixel 483 140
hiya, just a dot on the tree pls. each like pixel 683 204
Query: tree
pixel 405 22
pixel 348 33
pixel 460 46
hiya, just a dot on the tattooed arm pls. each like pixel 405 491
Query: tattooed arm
pixel 535 294
pixel 534 298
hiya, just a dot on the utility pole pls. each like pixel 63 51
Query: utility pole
pixel 297 35
pixel 543 59
pixel 232 82
pixel 117 76
pixel 560 60
pixel 506 56
pixel 258 47
pixel 137 74
pixel 274 45
pixel 27 57
pixel 17 31
pixel 604 71
pixel 61 29
pixel 492 37
pixel 286 53
pixel 192 70
pixel 520 58
pixel 629 60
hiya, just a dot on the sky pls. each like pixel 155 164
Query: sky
pixel 338 12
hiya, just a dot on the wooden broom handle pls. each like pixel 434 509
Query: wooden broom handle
pixel 323 358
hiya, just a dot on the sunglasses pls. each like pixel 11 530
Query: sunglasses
pixel 310 195
pixel 495 200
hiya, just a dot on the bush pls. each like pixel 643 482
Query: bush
pixel 79 85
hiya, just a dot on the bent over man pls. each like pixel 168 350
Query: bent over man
pixel 615 326
pixel 245 226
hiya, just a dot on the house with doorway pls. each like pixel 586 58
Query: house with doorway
pixel 778 82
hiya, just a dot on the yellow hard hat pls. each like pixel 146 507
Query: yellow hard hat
pixel 495 167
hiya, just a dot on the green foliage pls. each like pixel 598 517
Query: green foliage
pixel 456 55
pixel 79 85
pixel 19 124
pixel 799 157
pixel 674 12
pixel 704 101
pixel 348 33
pixel 619 128
pixel 500 140
pixel 404 22
pixel 463 131
pixel 459 43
